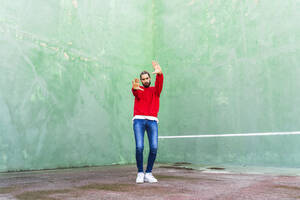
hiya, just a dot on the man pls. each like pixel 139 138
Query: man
pixel 146 107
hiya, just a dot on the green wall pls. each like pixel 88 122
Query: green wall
pixel 231 67
pixel 66 69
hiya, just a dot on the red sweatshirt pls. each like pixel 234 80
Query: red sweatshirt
pixel 147 102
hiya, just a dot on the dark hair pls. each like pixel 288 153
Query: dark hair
pixel 144 72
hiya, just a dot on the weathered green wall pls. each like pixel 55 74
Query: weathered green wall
pixel 66 69
pixel 231 67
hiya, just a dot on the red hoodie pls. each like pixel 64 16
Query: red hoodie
pixel 147 102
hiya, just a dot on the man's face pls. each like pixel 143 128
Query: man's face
pixel 146 80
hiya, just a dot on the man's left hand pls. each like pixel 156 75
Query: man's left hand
pixel 157 69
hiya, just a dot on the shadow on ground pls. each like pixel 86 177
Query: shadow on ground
pixel 176 181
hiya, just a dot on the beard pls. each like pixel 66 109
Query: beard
pixel 146 85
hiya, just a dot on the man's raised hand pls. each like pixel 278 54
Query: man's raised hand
pixel 136 84
pixel 157 69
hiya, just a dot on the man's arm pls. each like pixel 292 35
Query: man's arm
pixel 159 77
pixel 136 87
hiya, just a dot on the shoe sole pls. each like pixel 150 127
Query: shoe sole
pixel 151 182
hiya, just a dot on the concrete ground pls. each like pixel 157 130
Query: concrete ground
pixel 176 181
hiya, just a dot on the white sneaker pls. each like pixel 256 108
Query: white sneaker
pixel 140 177
pixel 150 178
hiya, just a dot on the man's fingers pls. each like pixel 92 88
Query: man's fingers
pixel 136 84
pixel 155 64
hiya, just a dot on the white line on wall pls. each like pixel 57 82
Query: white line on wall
pixel 230 135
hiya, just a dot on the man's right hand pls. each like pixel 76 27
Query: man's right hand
pixel 136 84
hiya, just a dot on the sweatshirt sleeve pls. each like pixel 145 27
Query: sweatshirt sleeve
pixel 135 93
pixel 159 83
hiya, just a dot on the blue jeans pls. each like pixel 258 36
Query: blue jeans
pixel 139 127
